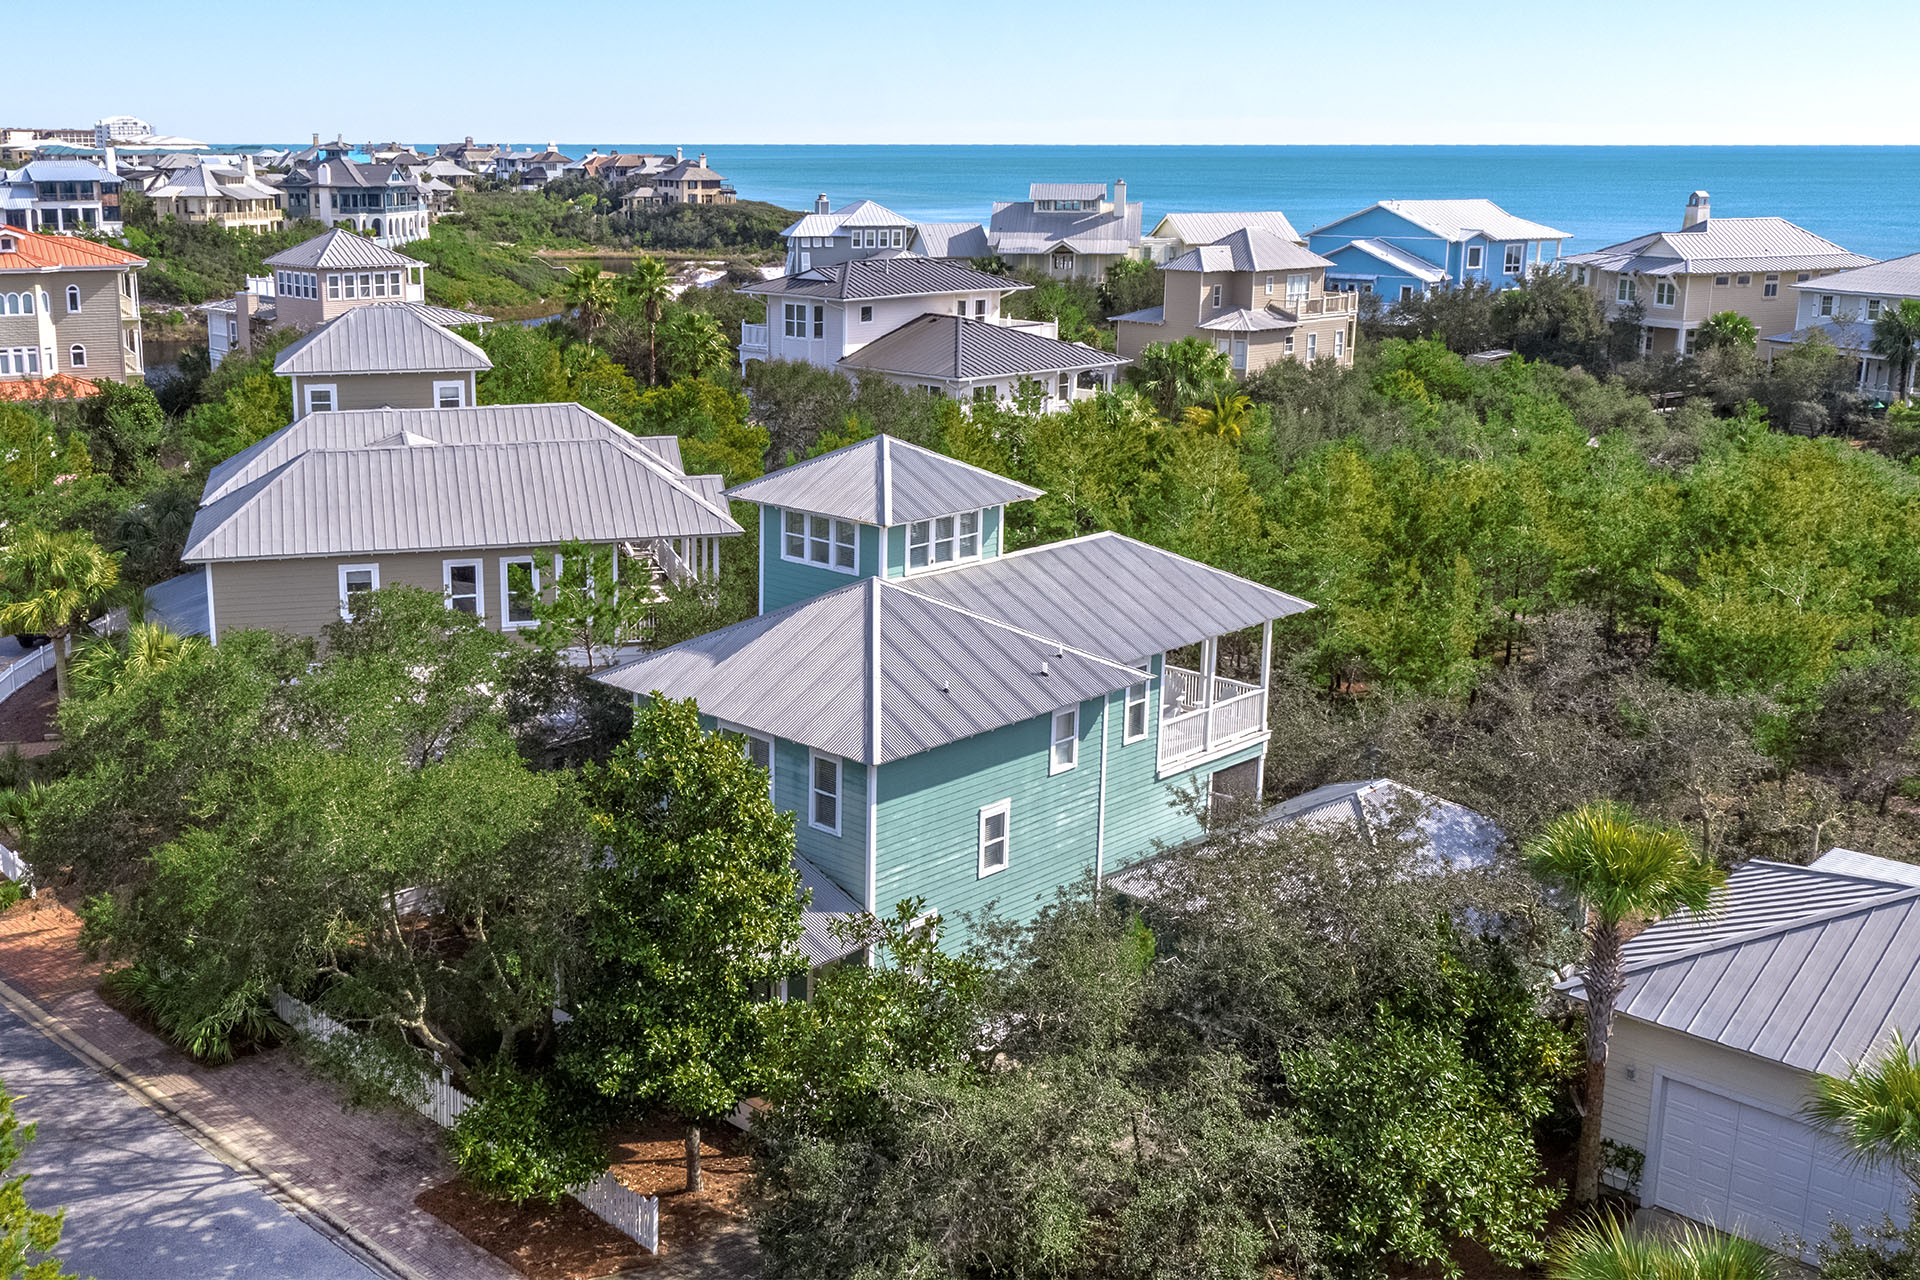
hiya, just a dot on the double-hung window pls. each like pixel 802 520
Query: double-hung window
pixel 1514 258
pixel 1134 727
pixel 819 322
pixel 1313 346
pixel 1339 343
pixel 1771 288
pixel 943 540
pixel 824 810
pixel 519 590
pixel 1826 304
pixel 1065 749
pixel 356 580
pixel 461 581
pixel 1216 297
pixel 1873 309
pixel 333 285
pixel 449 395
pixel 319 399
pixel 1664 293
pixel 793 319
pixel 1475 254
pixel 996 836
pixel 821 540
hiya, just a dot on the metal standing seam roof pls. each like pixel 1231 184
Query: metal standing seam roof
pixel 861 213
pixel 1249 249
pixel 444 316
pixel 1146 315
pixel 64 171
pixel 827 904
pixel 1397 258
pixel 902 276
pixel 1894 278
pixel 436 497
pixel 951 239
pixel 1067 191
pixel 806 673
pixel 339 248
pixel 1457 220
pixel 1721 245
pixel 961 349
pixel 207 179
pixel 1208 228
pixel 1848 335
pixel 371 340
pixel 475 424
pixel 1250 320
pixel 1020 228
pixel 1811 967
pixel 883 481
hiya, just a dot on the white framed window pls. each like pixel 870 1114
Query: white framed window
pixel 944 539
pixel 823 812
pixel 1803 277
pixel 866 315
pixel 1286 345
pixel 819 322
pixel 1663 293
pixel 1721 282
pixel 1624 289
pixel 1770 289
pixel 1064 752
pixel 76 357
pixel 1313 345
pixel 1216 297
pixel 1580 275
pixel 449 395
pixel 960 307
pixel 320 399
pixel 1339 343
pixel 73 299
pixel 1406 292
pixel 393 283
pixel 979 308
pixel 899 238
pixel 1475 255
pixel 519 590
pixel 356 580
pixel 1513 258
pixel 1826 304
pixel 1744 281
pixel 1134 726
pixel 1267 284
pixel 996 836
pixel 1063 260
pixel 333 285
pixel 820 540
pixel 461 581
pixel 1873 309
pixel 793 319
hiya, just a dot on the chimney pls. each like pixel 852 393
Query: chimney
pixel 469 139
pixel 1120 195
pixel 679 153
pixel 820 204
pixel 703 159
pixel 246 167
pixel 316 139
pixel 551 147
pixel 113 162
pixel 1698 211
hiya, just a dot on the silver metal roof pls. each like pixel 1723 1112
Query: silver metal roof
pixel 376 339
pixel 861 213
pixel 1067 191
pixel 809 673
pixel 899 276
pixel 436 497
pixel 446 316
pixel 1020 228
pixel 1399 259
pixel 1206 228
pixel 180 604
pixel 339 248
pixel 1457 220
pixel 883 481
pixel 951 239
pixel 1146 315
pixel 1894 278
pixel 1719 245
pixel 1812 967
pixel 1110 595
pixel 960 349
pixel 1249 249
pixel 1250 320
pixel 827 904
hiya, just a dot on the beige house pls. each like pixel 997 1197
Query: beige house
pixel 1255 297
pixel 1067 229
pixel 1679 278
pixel 68 308
pixel 391 355
pixel 469 503
pixel 1176 233
pixel 218 196
pixel 691 182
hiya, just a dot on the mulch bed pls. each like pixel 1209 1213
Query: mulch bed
pixel 566 1242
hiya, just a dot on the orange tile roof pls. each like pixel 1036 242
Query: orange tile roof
pixel 35 252
pixel 61 386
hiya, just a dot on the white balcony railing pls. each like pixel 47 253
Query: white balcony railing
pixel 753 339
pixel 1194 726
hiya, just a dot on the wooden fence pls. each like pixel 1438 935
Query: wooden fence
pixel 606 1197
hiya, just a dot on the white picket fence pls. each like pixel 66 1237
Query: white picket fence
pixel 606 1197
pixel 20 674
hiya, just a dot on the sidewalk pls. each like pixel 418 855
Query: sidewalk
pixel 357 1171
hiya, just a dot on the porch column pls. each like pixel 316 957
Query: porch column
pixel 1209 663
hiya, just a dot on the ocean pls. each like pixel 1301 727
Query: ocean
pixel 1864 198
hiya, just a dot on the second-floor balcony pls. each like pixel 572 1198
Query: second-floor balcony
pixel 753 341
pixel 1205 715
pixel 1303 306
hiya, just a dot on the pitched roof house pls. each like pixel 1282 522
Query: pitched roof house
pixel 1176 233
pixel 1844 307
pixel 1726 1018
pixel 55 196
pixel 1709 265
pixel 385 355
pixel 867 229
pixel 1404 248
pixel 956 722
pixel 467 502
pixel 69 309
pixel 1068 229
pixel 691 182
pixel 216 195
pixel 383 201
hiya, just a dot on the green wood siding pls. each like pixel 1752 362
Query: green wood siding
pixel 896 551
pixel 843 857
pixel 990 532
pixel 784 582
pixel 990 523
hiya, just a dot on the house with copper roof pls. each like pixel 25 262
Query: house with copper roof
pixel 1252 295
pixel 1401 249
pixel 1676 279
pixel 69 308
pixel 1844 307
pixel 954 720
pixel 1067 229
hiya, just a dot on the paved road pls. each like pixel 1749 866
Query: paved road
pixel 144 1200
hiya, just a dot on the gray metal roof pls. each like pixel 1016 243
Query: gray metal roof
pixel 1067 191
pixel 1457 220
pixel 1864 866
pixel 827 904
pixel 883 481
pixel 446 316
pixel 218 181
pixel 180 604
pixel 377 339
pixel 1808 966
pixel 1399 259
pixel 436 497
pixel 1110 595
pixel 1146 315
pixel 1206 228
pixel 1894 278
pixel 807 673
pixel 1720 245
pixel 1250 320
pixel 901 276
pixel 1020 228
pixel 960 349
pixel 951 239
pixel 1248 249
pixel 339 248
pixel 861 213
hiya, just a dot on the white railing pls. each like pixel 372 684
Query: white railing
pixel 1338 302
pixel 1045 328
pixel 1184 691
pixel 753 337
pixel 14 867
pixel 1192 726
pixel 22 673
pixel 606 1197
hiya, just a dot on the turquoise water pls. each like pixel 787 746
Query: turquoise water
pixel 1862 197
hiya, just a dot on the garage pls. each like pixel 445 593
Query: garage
pixel 1762 1175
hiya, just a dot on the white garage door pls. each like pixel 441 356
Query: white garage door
pixel 1762 1175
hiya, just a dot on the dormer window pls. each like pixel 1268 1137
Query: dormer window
pixel 944 540
pixel 820 540
pixel 9 244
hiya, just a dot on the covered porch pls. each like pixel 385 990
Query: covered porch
pixel 1205 714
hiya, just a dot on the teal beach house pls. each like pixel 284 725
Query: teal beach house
pixel 952 721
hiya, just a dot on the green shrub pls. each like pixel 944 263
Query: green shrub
pixel 11 892
pixel 521 1140
pixel 213 1024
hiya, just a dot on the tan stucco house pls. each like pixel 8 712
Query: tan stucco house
pixel 69 309
pixel 391 355
pixel 220 196
pixel 1710 265
pixel 1254 296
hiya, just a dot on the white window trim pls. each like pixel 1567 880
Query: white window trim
pixel 1005 809
pixel 1474 259
pixel 479 584
pixel 933 539
pixel 1518 261
pixel 73 299
pixel 333 397
pixel 1054 766
pixel 346 569
pixel 1127 735
pixel 459 389
pixel 506 591
pixel 814 792
pixel 833 541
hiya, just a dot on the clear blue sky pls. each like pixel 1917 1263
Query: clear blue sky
pixel 704 72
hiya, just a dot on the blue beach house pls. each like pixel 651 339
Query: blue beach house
pixel 1403 248
pixel 952 721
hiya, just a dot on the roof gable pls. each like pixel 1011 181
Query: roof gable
pixel 883 481
pixel 32 251
pixel 339 248
pixel 962 349
pixel 1456 220
pixel 370 339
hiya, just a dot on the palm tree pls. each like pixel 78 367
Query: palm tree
pixel 1174 375
pixel 1606 1249
pixel 1875 1111
pixel 49 583
pixel 1727 329
pixel 1626 873
pixel 110 663
pixel 650 287
pixel 1229 415
pixel 590 294
pixel 1895 335
pixel 695 345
